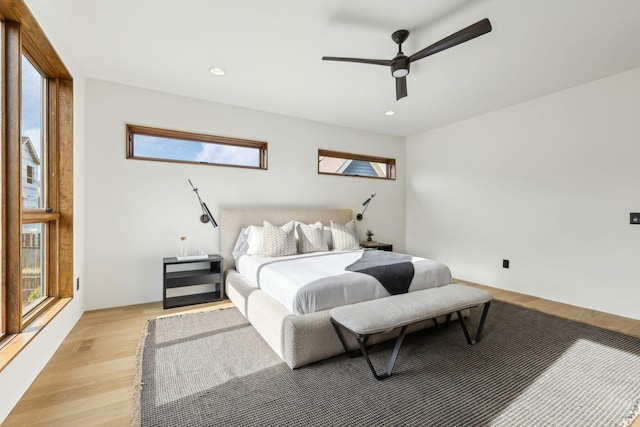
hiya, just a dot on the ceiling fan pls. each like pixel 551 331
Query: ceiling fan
pixel 401 63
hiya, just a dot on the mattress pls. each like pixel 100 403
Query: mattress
pixel 307 283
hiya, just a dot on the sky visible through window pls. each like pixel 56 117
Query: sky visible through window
pixel 192 151
pixel 32 103
pixel 32 124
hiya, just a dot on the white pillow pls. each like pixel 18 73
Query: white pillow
pixel 327 236
pixel 242 244
pixel 255 239
pixel 279 241
pixel 345 237
pixel 311 238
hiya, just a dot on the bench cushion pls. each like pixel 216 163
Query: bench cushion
pixel 385 314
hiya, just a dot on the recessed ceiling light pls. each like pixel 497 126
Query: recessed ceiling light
pixel 389 113
pixel 217 71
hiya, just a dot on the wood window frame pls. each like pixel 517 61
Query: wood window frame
pixel 133 130
pixel 389 162
pixel 23 35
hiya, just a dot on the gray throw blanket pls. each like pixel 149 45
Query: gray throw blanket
pixel 394 271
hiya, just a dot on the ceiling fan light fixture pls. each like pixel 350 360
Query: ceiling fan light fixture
pixel 400 66
pixel 400 72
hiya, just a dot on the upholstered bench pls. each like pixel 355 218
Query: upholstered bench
pixel 368 318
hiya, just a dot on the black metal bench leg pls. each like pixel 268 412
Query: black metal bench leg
pixel 351 353
pixel 339 334
pixel 485 311
pixel 442 326
pixel 464 328
pixel 448 319
pixel 392 359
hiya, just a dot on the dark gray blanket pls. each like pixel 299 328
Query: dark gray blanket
pixel 394 271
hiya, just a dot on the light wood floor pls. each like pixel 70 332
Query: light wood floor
pixel 89 380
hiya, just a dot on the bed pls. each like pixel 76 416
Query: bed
pixel 299 331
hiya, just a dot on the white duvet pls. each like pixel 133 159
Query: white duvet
pixel 318 281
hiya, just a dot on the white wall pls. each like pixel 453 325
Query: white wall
pixel 548 184
pixel 136 210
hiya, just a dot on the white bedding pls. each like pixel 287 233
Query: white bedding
pixel 318 281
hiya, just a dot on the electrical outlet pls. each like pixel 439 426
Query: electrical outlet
pixel 505 263
pixel 635 218
pixel 77 283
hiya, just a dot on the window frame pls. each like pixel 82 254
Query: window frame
pixel 133 130
pixel 389 162
pixel 23 35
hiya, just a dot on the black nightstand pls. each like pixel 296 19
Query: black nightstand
pixel 379 246
pixel 192 272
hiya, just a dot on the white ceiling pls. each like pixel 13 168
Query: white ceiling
pixel 272 52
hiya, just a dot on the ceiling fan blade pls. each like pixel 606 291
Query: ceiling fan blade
pixel 386 62
pixel 466 34
pixel 401 87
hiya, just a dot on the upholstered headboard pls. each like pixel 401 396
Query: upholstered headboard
pixel 232 220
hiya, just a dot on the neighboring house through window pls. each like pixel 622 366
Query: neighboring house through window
pixel 30 183
pixel 361 165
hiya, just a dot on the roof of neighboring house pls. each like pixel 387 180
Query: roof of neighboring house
pixel 361 168
pixel 27 141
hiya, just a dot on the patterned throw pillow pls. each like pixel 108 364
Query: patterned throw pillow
pixel 345 237
pixel 311 238
pixel 279 241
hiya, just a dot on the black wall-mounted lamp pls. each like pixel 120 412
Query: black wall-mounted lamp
pixel 365 204
pixel 206 213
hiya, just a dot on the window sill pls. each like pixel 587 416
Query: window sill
pixel 12 345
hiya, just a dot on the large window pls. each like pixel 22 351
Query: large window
pixel 348 164
pixel 146 143
pixel 36 160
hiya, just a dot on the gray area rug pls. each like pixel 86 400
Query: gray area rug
pixel 530 369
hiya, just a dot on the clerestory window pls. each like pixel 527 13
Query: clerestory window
pixel 360 165
pixel 145 143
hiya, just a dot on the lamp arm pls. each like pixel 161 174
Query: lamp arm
pixel 206 213
pixel 366 205
pixel 359 216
